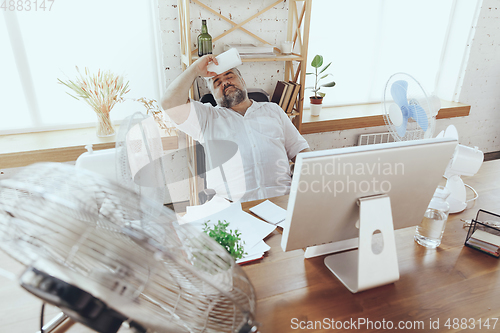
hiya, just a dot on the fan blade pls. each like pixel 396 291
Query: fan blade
pixel 398 92
pixel 401 130
pixel 418 113
pixel 395 115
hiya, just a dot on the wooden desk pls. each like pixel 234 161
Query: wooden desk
pixel 451 282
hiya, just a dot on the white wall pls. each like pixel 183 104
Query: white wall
pixel 481 87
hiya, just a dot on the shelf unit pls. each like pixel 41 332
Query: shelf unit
pixel 299 16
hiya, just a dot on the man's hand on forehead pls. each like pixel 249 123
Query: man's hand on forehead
pixel 203 62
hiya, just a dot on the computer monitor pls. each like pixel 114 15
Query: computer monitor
pixel 346 198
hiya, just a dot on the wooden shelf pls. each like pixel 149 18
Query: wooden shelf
pixel 365 115
pixel 19 150
pixel 278 57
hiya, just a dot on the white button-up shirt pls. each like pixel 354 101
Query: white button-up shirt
pixel 254 150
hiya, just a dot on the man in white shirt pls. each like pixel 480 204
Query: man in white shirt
pixel 248 144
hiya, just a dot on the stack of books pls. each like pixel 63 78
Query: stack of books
pixel 485 242
pixel 252 50
pixel 285 95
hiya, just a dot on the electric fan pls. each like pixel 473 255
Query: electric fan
pixel 136 161
pixel 409 113
pixel 95 250
pixel 139 163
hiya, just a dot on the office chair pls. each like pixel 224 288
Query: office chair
pixel 257 95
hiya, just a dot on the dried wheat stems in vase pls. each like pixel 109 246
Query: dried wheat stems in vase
pixel 101 91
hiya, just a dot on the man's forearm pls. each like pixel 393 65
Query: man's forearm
pixel 178 91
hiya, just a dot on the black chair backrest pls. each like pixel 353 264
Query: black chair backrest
pixel 255 95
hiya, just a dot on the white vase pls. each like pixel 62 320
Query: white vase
pixel 315 109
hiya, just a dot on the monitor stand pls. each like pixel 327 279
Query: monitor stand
pixel 363 268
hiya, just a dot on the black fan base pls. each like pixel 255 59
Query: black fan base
pixel 78 304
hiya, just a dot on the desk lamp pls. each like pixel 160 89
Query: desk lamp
pixel 466 161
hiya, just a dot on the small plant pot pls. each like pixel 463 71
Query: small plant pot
pixel 316 105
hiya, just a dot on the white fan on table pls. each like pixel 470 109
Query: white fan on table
pixel 409 112
pixel 95 250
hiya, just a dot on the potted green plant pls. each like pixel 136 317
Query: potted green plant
pixel 317 99
pixel 229 240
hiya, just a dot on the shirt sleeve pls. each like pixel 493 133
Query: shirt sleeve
pixel 294 141
pixel 196 123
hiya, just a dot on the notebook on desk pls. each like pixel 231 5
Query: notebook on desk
pixel 270 212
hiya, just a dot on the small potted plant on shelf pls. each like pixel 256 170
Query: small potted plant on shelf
pixel 317 99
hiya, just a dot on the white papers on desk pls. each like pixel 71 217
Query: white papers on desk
pixel 215 205
pixel 270 212
pixel 252 230
pixel 255 252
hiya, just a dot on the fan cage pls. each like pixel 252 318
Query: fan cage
pixel 138 145
pixel 415 95
pixel 102 238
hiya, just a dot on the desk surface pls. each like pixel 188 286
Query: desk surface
pixel 450 282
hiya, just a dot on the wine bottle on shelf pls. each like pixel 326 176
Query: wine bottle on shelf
pixel 204 40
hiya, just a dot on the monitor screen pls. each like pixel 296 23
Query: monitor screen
pixel 323 203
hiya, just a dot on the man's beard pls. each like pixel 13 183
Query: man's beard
pixel 232 98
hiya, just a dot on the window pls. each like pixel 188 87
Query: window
pixel 369 40
pixel 47 44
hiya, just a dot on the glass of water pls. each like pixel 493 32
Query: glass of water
pixel 430 231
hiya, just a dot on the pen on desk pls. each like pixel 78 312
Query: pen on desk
pixel 54 323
